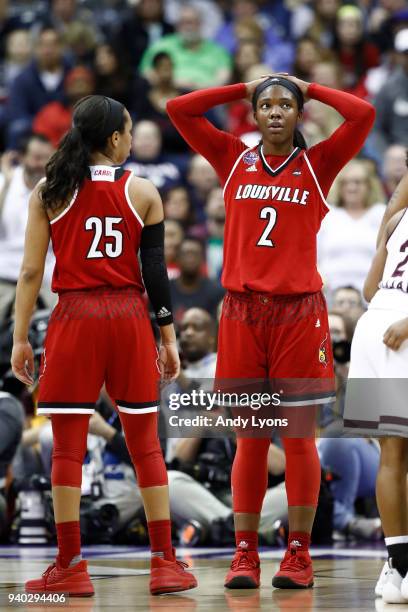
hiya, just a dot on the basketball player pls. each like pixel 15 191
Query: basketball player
pixel 274 320
pixel 380 351
pixel 98 217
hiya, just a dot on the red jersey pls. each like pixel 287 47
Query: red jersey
pixel 96 238
pixel 272 218
pixel 274 206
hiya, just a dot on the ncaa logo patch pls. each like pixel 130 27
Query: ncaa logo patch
pixel 323 352
pixel 250 158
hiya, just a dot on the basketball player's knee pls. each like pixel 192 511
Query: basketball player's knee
pixel 67 467
pixel 253 448
pixel 148 461
pixel 300 446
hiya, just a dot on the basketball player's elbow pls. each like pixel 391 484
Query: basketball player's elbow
pixel 31 274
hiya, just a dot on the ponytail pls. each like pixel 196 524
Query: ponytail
pixel 65 170
pixel 95 119
pixel 299 139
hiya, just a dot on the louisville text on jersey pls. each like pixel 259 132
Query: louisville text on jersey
pixel 272 192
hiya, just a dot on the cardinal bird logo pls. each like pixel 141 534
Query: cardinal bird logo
pixel 323 352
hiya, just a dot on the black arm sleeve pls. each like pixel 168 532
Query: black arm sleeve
pixel 154 272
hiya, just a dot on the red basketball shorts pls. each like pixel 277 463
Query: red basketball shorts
pixel 97 337
pixel 284 340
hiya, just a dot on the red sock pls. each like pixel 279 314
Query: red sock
pixel 246 539
pixel 69 542
pixel 301 538
pixel 160 539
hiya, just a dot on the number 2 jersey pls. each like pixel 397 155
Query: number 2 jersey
pixel 272 218
pixel 274 205
pixel 96 238
pixel 393 287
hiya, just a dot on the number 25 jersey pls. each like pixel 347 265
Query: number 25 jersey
pixel 272 219
pixel 96 238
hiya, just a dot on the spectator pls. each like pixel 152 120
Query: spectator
pixel 321 120
pixel 347 239
pixel 317 21
pixel 394 167
pixel 147 160
pixel 142 27
pixel 197 62
pixel 307 55
pixel 201 180
pixel 177 206
pixel 354 464
pixel 211 14
pixel 355 54
pixel 249 24
pixel 391 104
pixel 215 213
pixel 17 56
pixel 113 76
pixel 248 54
pixel 383 20
pixel 55 118
pixel 37 85
pixel 349 302
pixel 10 22
pixel 173 237
pixel 16 184
pixel 80 43
pixel 69 20
pixel 197 339
pixel 192 288
pixel 151 102
pixel 11 426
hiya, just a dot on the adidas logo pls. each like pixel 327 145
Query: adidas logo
pixel 295 543
pixel 317 323
pixel 252 168
pixel 243 544
pixel 163 312
pixel 297 172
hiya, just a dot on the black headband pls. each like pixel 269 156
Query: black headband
pixel 284 83
pixel 115 118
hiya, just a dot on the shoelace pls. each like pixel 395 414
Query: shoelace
pixel 243 561
pixel 292 561
pixel 48 570
pixel 182 564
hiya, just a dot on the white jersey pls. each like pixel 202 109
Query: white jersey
pixel 393 287
pixel 396 266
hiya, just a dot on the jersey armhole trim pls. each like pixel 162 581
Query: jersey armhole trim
pixel 233 168
pixel 68 208
pixel 316 181
pixel 128 200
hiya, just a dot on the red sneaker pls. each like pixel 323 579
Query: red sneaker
pixel 245 572
pixel 295 572
pixel 169 576
pixel 74 581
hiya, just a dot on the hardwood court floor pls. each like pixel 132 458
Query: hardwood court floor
pixel 344 580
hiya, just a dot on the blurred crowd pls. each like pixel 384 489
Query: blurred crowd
pixel 143 53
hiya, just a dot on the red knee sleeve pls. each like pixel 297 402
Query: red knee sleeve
pixel 249 476
pixel 144 448
pixel 69 447
pixel 302 474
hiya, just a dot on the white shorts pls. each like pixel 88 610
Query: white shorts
pixel 377 387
